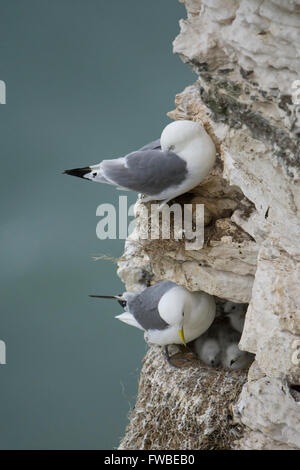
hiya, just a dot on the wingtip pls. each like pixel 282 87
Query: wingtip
pixel 117 297
pixel 99 296
pixel 79 172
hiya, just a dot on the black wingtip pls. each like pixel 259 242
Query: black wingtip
pixel 79 172
pixel 121 301
pixel 103 296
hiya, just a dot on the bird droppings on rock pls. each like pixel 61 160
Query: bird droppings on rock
pixel 180 408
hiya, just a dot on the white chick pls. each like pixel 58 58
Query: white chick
pixel 236 314
pixel 208 350
pixel 233 358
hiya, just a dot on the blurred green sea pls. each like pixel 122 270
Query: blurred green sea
pixel 86 80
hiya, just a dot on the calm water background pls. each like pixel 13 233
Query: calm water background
pixel 86 80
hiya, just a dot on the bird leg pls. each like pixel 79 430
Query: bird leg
pixel 145 199
pixel 162 204
pixel 168 357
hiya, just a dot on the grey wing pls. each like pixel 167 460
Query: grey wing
pixel 155 144
pixel 144 306
pixel 148 171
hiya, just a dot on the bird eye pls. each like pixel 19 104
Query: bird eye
pixel 183 314
pixel 94 174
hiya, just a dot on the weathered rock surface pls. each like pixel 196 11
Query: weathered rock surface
pixel 246 54
pixel 186 408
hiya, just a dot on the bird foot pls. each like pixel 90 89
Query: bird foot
pixel 180 359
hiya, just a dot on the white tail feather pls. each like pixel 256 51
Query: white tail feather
pixel 128 318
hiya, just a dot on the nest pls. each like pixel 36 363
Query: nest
pixel 185 408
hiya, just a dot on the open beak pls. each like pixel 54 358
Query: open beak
pixel 181 334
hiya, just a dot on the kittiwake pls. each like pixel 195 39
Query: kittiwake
pixel 219 345
pixel 236 314
pixel 208 350
pixel 233 358
pixel 167 313
pixel 163 169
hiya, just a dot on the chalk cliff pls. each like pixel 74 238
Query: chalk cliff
pixel 247 57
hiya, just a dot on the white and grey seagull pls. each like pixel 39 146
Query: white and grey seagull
pixel 167 313
pixel 162 169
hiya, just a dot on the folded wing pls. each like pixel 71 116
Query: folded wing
pixel 144 306
pixel 149 171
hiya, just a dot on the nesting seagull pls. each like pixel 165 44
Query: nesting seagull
pixel 208 350
pixel 219 346
pixel 167 313
pixel 233 358
pixel 162 169
pixel 236 314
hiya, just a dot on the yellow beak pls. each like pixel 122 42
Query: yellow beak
pixel 181 334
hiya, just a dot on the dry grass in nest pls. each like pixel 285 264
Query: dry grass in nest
pixel 182 409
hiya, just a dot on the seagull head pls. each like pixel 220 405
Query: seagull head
pixel 175 308
pixel 229 307
pixel 178 134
